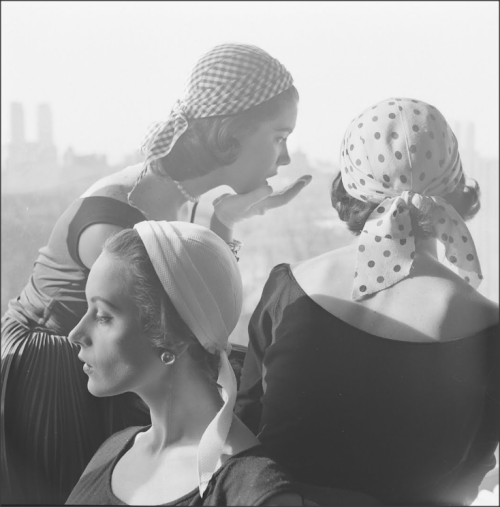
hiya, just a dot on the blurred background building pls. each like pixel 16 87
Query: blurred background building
pixel 34 166
pixel 22 154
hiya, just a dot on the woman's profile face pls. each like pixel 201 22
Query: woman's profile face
pixel 262 152
pixel 117 356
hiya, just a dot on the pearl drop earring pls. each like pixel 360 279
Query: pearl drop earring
pixel 167 357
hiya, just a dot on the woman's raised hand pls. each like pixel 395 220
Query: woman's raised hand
pixel 233 208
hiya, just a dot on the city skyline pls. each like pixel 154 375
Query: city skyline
pixel 22 151
pixel 464 131
pixel 19 149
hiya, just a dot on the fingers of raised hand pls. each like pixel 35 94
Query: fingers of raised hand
pixel 285 195
pixel 246 201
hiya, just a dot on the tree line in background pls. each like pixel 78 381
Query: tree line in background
pixel 305 227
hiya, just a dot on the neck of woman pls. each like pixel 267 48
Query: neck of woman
pixel 427 246
pixel 161 199
pixel 181 408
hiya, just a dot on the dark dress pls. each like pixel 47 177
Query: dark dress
pixel 247 478
pixel 404 422
pixel 50 424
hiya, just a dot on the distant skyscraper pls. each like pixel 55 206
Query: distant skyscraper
pixel 17 123
pixel 22 154
pixel 44 125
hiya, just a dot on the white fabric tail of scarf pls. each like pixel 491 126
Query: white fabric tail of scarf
pixel 213 440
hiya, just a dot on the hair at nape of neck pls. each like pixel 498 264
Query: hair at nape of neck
pixel 161 322
pixel 465 200
pixel 212 142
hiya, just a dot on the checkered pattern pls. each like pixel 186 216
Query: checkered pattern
pixel 228 79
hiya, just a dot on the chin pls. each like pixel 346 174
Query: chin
pixel 98 393
pixel 102 391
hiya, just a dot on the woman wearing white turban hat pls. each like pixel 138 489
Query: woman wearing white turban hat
pixel 163 300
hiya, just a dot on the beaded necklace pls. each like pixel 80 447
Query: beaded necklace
pixel 181 189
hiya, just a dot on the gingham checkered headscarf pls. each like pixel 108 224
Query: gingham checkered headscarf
pixel 200 275
pixel 228 79
pixel 398 153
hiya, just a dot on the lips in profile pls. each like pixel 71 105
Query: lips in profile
pixel 87 368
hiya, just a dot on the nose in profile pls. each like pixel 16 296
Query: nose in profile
pixel 284 158
pixel 77 336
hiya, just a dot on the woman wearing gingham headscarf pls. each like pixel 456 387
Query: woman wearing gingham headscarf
pixel 220 132
pixel 383 372
pixel 228 79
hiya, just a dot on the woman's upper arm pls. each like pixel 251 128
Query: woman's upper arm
pixel 260 333
pixel 91 241
pixel 248 403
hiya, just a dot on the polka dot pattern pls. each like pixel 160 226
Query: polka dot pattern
pixel 397 160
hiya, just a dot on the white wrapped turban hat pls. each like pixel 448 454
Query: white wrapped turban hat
pixel 201 277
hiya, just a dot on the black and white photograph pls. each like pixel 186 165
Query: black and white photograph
pixel 250 253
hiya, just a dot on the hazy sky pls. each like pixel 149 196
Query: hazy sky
pixel 108 69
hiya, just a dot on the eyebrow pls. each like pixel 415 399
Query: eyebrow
pixel 284 129
pixel 98 298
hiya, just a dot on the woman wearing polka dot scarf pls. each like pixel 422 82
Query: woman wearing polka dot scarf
pixel 401 156
pixel 374 367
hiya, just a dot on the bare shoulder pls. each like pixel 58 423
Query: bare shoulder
pixel 467 304
pixel 115 185
pixel 440 303
pixel 322 261
pixel 91 241
pixel 457 308
pixel 434 302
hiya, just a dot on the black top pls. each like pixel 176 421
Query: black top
pixel 54 297
pixel 247 478
pixel 405 422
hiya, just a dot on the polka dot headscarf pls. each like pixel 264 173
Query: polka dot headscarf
pixel 228 79
pixel 398 153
